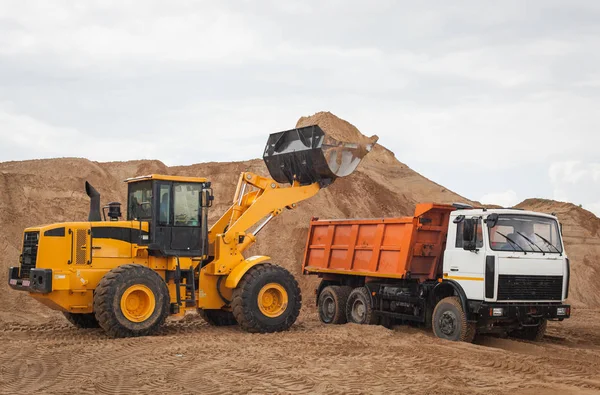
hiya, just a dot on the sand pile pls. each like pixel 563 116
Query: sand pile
pixel 46 191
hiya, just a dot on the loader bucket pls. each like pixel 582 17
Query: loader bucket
pixel 308 155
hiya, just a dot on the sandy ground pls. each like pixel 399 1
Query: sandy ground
pixel 192 357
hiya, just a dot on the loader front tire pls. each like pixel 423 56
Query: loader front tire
pixel 131 300
pixel 217 317
pixel 82 321
pixel 266 300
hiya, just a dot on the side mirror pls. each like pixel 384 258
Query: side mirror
pixel 470 234
pixel 491 220
pixel 206 197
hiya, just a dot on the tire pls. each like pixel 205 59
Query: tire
pixel 122 287
pixel 217 317
pixel 449 321
pixel 82 321
pixel 533 333
pixel 332 304
pixel 266 300
pixel 359 308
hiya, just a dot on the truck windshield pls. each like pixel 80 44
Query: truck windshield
pixel 527 233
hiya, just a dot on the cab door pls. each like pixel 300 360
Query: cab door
pixel 186 229
pixel 465 266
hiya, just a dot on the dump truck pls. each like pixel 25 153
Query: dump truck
pixel 127 276
pixel 457 269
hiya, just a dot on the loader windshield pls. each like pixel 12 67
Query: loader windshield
pixel 139 202
pixel 527 233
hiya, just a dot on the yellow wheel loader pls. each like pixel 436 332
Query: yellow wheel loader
pixel 127 276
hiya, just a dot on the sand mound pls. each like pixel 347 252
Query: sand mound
pixel 46 191
pixel 581 233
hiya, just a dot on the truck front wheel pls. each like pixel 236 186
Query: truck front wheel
pixel 450 321
pixel 332 304
pixel 359 308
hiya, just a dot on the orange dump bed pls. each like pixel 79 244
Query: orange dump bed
pixel 388 247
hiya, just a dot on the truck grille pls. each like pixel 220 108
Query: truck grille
pixel 29 253
pixel 512 287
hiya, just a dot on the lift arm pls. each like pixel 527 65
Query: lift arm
pixel 256 198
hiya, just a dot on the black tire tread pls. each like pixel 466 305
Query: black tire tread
pixel 217 317
pixel 340 295
pixel 241 302
pixel 82 321
pixel 469 328
pixel 104 294
pixel 532 333
pixel 371 318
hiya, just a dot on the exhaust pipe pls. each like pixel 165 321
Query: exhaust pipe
pixel 94 214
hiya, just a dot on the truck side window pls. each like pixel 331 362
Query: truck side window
pixel 459 235
pixel 187 204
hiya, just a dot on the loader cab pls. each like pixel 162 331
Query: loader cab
pixel 175 209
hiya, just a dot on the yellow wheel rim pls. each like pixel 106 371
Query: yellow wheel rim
pixel 272 300
pixel 138 303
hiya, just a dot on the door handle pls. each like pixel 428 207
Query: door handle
pixel 453 268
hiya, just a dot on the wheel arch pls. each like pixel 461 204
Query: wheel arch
pixel 235 276
pixel 443 287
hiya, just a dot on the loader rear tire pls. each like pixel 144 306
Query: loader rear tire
pixel 359 307
pixel 131 300
pixel 332 304
pixel 217 317
pixel 449 321
pixel 267 299
pixel 82 321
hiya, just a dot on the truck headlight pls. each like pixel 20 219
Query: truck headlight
pixel 561 311
pixel 497 312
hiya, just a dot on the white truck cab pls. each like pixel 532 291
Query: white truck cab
pixel 511 266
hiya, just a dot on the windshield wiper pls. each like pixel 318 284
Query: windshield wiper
pixel 530 242
pixel 513 243
pixel 547 242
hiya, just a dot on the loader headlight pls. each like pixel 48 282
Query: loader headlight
pixel 497 311
pixel 561 311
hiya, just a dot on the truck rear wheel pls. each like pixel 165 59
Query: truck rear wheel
pixel 332 304
pixel 359 308
pixel 83 321
pixel 217 317
pixel 267 299
pixel 533 333
pixel 449 321
pixel 131 300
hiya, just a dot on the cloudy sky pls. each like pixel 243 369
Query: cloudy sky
pixel 495 100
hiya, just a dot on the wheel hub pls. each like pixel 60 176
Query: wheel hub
pixel 359 311
pixel 272 300
pixel 448 323
pixel 328 307
pixel 138 303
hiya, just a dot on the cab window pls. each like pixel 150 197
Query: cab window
pixel 139 204
pixel 459 234
pixel 187 204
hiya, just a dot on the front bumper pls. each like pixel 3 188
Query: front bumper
pixel 39 281
pixel 525 312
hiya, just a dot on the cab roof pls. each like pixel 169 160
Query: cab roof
pixel 488 211
pixel 166 178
